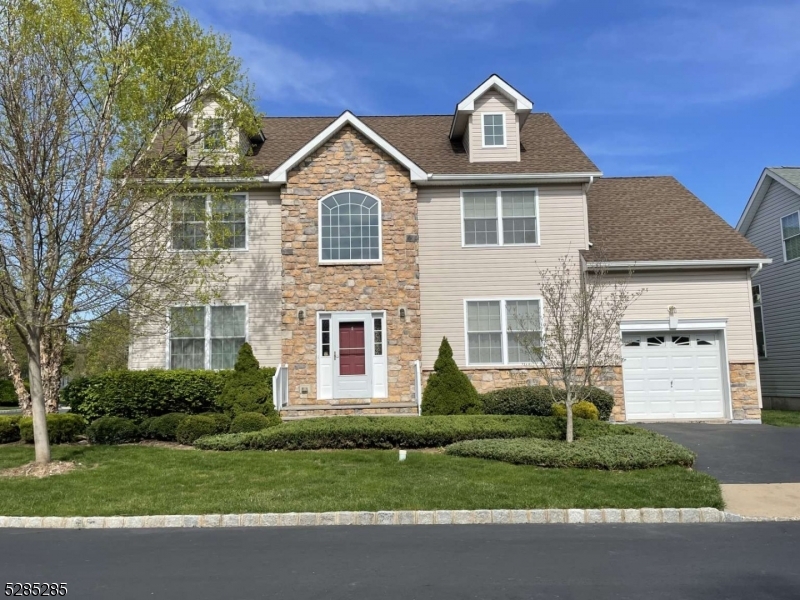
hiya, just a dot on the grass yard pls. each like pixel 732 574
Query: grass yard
pixel 135 480
pixel 781 418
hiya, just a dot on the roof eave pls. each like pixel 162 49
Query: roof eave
pixel 660 265
pixel 509 178
pixel 751 208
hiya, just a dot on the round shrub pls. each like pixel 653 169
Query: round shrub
pixel 580 410
pixel 534 400
pixel 449 391
pixel 253 422
pixel 61 428
pixel 222 422
pixel 248 388
pixel 9 430
pixel 164 427
pixel 613 452
pixel 113 430
pixel 194 427
pixel 603 401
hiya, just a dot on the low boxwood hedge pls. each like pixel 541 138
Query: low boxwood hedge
pixel 194 427
pixel 164 427
pixel 395 432
pixel 537 400
pixel 253 421
pixel 613 452
pixel 580 410
pixel 113 430
pixel 61 428
pixel 9 430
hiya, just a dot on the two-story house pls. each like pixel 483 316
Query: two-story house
pixel 365 240
pixel 771 221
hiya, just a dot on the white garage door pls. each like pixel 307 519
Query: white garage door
pixel 672 376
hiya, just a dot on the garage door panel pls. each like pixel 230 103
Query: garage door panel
pixel 679 378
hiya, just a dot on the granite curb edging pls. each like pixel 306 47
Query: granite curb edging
pixel 390 517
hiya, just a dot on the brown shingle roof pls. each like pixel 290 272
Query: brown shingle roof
pixel 546 148
pixel 656 218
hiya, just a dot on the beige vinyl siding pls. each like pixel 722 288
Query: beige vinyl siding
pixel 780 290
pixel 449 274
pixel 700 295
pixel 254 279
pixel 493 102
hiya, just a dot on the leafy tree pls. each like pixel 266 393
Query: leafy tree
pixel 248 389
pixel 449 391
pixel 103 347
pixel 93 145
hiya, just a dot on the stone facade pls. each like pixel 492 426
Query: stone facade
pixel 744 392
pixel 349 161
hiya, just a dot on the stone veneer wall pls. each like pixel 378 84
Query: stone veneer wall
pixel 349 161
pixel 744 391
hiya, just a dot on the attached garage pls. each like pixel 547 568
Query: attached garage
pixel 674 375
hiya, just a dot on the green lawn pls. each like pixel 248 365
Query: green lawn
pixel 781 418
pixel 130 480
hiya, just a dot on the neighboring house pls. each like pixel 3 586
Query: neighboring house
pixel 365 240
pixel 771 221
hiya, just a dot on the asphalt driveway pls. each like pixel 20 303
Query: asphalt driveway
pixel 740 453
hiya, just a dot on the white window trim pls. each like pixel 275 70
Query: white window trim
pixel 499 200
pixel 208 247
pixel 505 330
pixel 760 305
pixel 783 239
pixel 206 330
pixel 483 130
pixel 362 261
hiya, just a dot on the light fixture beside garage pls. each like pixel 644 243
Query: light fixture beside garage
pixel 673 317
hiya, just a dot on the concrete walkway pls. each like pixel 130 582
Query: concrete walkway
pixel 781 500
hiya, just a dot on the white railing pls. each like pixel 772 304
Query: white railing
pixel 418 385
pixel 280 387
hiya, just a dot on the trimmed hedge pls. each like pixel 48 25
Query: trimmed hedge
pixel 61 428
pixel 113 430
pixel 393 432
pixel 8 395
pixel 538 400
pixel 580 410
pixel 624 452
pixel 194 427
pixel 164 427
pixel 222 422
pixel 139 395
pixel 9 430
pixel 449 391
pixel 253 421
pixel 247 388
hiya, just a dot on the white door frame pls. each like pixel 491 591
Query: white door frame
pixel 719 326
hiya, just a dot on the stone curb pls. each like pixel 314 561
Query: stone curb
pixel 390 517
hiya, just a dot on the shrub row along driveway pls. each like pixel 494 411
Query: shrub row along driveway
pixel 740 453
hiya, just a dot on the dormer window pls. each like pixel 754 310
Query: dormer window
pixel 214 134
pixel 494 130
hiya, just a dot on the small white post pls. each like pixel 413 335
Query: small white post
pixel 418 385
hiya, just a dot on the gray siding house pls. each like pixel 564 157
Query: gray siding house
pixel 771 221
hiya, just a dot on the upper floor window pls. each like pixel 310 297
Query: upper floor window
pixel 503 332
pixel 350 228
pixel 790 230
pixel 206 337
pixel 494 129
pixel 214 134
pixel 758 315
pixel 500 218
pixel 203 222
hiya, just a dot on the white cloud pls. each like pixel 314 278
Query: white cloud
pixel 716 54
pixel 287 7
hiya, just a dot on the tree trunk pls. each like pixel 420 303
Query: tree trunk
pixel 570 436
pixel 15 373
pixel 52 351
pixel 41 440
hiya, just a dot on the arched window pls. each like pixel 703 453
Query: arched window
pixel 350 227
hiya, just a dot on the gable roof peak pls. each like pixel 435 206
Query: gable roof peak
pixel 522 106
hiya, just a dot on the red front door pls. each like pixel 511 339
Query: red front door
pixel 352 352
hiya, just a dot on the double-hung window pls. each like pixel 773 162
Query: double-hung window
pixel 204 222
pixel 758 315
pixel 790 232
pixel 206 337
pixel 503 332
pixel 494 129
pixel 500 218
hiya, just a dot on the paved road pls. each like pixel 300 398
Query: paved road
pixel 740 453
pixel 703 562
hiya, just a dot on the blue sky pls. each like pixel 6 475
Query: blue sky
pixel 707 91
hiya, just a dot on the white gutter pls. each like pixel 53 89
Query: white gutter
pixel 259 180
pixel 677 264
pixel 467 178
pixel 757 269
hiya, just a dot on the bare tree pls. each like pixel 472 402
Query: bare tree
pixel 579 340
pixel 92 150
